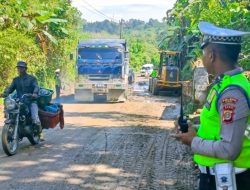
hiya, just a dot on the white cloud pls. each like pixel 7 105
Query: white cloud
pixel 137 9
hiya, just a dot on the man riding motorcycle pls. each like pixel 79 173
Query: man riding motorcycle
pixel 26 84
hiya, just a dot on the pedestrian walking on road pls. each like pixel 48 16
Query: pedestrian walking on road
pixel 221 145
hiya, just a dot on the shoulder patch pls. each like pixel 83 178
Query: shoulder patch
pixel 229 100
pixel 228 107
pixel 228 114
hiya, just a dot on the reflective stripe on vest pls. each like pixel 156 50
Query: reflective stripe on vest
pixel 210 122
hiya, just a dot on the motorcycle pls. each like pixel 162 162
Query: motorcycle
pixel 18 124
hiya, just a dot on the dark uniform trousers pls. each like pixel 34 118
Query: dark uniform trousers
pixel 207 182
pixel 58 88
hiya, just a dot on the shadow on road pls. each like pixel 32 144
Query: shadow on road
pixel 69 99
pixel 90 158
pixel 130 156
pixel 117 116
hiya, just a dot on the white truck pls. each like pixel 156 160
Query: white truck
pixel 146 70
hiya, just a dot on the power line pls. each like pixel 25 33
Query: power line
pixel 112 19
pixel 97 10
pixel 101 13
pixel 90 10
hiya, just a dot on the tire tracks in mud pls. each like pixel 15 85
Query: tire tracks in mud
pixel 137 154
pixel 149 160
pixel 164 167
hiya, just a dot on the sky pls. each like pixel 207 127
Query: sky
pixel 93 10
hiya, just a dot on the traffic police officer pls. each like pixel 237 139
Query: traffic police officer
pixel 221 145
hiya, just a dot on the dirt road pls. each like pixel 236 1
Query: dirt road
pixel 121 146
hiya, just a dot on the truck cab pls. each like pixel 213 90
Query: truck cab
pixel 146 70
pixel 101 70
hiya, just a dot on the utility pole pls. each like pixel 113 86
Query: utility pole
pixel 120 22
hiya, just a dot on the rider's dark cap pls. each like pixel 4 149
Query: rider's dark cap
pixel 217 35
pixel 21 64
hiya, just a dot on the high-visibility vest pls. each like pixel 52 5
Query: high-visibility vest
pixel 210 122
pixel 154 74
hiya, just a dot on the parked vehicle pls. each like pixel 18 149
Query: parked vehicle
pixel 131 76
pixel 18 124
pixel 146 70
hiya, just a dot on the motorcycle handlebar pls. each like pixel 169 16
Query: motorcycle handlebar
pixel 28 95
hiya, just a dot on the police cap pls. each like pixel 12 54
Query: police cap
pixel 217 35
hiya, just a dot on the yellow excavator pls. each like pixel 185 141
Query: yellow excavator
pixel 168 78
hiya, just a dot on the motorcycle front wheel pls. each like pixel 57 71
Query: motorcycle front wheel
pixel 9 143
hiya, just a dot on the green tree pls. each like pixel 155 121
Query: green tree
pixel 182 26
pixel 43 33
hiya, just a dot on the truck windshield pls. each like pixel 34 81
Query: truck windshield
pixel 100 54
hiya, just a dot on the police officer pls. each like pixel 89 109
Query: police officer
pixel 25 84
pixel 223 138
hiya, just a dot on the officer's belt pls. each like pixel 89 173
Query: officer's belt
pixel 211 171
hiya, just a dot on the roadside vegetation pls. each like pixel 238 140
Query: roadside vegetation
pixel 179 31
pixel 182 32
pixel 44 33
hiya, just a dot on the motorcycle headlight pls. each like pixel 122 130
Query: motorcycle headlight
pixel 9 104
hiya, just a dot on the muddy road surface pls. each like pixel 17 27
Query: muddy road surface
pixel 118 146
